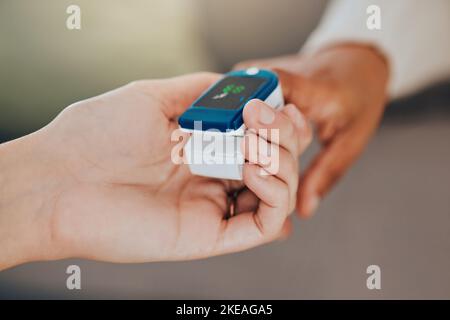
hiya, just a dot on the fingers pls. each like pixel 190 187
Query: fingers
pixel 174 95
pixel 331 163
pixel 299 90
pixel 275 140
pixel 254 228
pixel 267 222
pixel 281 163
pixel 296 88
pixel 313 97
pixel 304 130
pixel 246 201
pixel 249 229
pixel 272 191
pixel 287 128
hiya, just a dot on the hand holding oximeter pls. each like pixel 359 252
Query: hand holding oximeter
pixel 216 123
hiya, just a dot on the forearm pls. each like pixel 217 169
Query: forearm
pixel 415 61
pixel 25 187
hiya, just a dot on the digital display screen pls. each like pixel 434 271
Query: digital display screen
pixel 231 92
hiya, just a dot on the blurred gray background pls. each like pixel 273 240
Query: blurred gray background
pixel 392 209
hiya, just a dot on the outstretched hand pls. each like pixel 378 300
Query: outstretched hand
pixel 342 91
pixel 113 193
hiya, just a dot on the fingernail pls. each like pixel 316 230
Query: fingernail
pixel 312 205
pixel 266 115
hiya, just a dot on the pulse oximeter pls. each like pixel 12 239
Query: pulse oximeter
pixel 216 124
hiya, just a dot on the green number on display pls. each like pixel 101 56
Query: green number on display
pixel 233 89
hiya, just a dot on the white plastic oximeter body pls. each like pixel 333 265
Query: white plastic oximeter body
pixel 216 124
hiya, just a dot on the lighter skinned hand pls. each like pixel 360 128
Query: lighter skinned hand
pixel 98 182
pixel 342 91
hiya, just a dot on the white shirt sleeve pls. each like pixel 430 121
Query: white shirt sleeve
pixel 414 36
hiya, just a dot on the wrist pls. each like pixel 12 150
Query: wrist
pixel 366 50
pixel 345 59
pixel 359 71
pixel 28 184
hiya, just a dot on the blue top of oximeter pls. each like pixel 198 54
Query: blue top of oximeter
pixel 220 106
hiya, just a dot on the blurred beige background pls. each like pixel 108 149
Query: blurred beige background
pixel 44 66
pixel 392 209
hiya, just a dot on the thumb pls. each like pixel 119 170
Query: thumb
pixel 176 94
